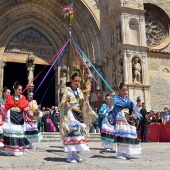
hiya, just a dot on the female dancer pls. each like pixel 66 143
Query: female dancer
pixel 31 118
pixel 107 128
pixel 13 128
pixel 124 116
pixel 6 92
pixel 74 119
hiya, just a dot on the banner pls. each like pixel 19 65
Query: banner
pixel 153 132
pixel 164 132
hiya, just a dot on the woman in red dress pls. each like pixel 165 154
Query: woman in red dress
pixel 13 128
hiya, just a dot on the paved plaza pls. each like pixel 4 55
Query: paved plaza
pixel 50 156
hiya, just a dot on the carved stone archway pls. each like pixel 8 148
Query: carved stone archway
pixel 47 18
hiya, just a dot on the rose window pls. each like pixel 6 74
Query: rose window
pixel 156 27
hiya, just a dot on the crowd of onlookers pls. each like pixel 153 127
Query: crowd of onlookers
pixel 49 119
pixel 159 117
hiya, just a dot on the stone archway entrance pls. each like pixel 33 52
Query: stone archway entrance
pixel 29 50
pixel 15 72
pixel 18 72
pixel 39 29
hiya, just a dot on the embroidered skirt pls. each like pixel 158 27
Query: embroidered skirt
pixel 75 139
pixel 13 132
pixel 31 133
pixel 107 133
pixel 125 135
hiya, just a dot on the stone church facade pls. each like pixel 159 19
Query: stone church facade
pixel 127 40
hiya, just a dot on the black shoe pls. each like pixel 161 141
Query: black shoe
pixel 146 141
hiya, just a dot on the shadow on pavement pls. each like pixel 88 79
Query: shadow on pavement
pixel 100 156
pixel 56 146
pixel 49 150
pixel 3 154
pixel 104 151
pixel 55 159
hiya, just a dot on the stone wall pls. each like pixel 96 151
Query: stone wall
pixel 159 77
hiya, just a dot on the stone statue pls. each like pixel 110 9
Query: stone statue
pixel 136 67
pixel 88 80
pixel 99 80
pixel 62 85
pixel 30 71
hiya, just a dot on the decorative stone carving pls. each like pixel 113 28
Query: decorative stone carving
pixel 119 72
pixel 113 82
pixel 88 81
pixel 3 64
pixel 113 40
pixel 118 35
pixel 136 69
pixel 30 40
pixel 156 30
pixel 95 3
pixel 62 84
pixel 99 80
pixel 30 68
pixel 30 72
pixel 132 4
pixel 165 70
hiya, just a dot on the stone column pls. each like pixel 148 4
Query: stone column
pixel 3 64
pixel 30 72
pixel 147 97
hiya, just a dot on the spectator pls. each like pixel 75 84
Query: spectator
pixel 46 120
pixel 144 123
pixel 54 111
pixel 159 117
pixel 154 118
pixel 43 110
pixel 165 115
pixel 56 120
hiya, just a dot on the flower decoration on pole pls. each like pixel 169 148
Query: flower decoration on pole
pixel 69 12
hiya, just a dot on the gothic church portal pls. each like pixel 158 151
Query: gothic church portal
pixel 127 40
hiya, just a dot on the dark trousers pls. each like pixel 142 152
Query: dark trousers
pixel 56 127
pixel 144 127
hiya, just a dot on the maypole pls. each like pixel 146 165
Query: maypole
pixel 69 14
pixel 73 52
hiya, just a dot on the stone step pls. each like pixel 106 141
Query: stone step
pixel 59 140
pixel 55 137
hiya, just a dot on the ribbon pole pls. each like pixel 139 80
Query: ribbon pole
pixel 51 66
pixel 93 66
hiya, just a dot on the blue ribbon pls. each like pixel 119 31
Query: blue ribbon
pixel 54 73
pixel 51 66
pixel 92 66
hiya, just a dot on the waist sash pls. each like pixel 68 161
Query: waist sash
pixel 16 118
pixel 128 116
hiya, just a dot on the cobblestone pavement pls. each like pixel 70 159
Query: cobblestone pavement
pixel 155 156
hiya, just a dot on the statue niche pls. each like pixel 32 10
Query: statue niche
pixel 136 70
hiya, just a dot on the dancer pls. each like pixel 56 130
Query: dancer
pixel 124 114
pixel 6 92
pixel 31 120
pixel 13 128
pixel 75 119
pixel 107 128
